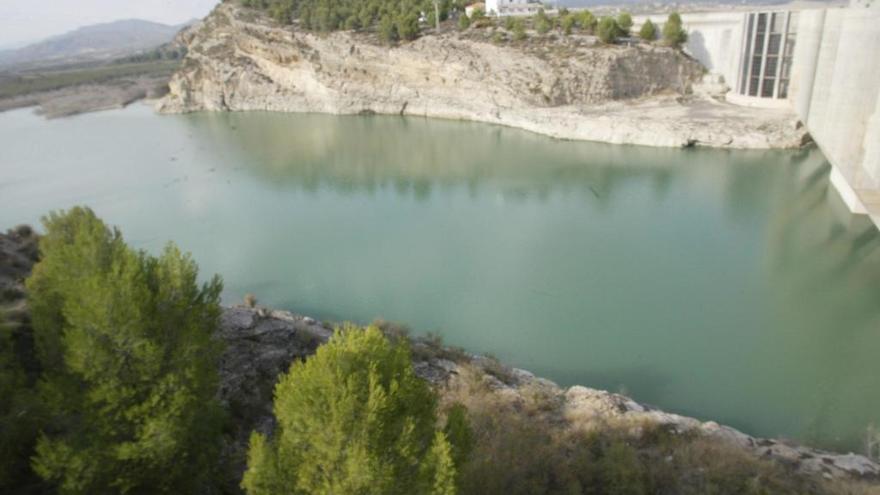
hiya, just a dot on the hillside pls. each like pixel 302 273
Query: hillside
pixel 93 43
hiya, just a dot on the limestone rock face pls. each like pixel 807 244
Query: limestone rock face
pixel 567 87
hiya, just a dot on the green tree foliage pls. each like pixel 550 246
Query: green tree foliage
pixel 568 22
pixel 464 21
pixel 332 15
pixel 408 26
pixel 129 363
pixel 587 21
pixel 624 23
pixel 542 22
pixel 388 29
pixel 648 31
pixel 20 414
pixel 607 30
pixel 355 418
pixel 519 30
pixel 673 33
pixel 509 22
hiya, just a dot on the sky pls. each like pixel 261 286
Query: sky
pixel 26 21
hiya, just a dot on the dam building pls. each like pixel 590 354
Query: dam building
pixel 821 63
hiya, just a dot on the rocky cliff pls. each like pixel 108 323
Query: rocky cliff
pixel 566 87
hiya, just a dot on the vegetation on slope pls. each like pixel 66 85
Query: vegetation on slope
pixel 355 418
pixel 118 396
pixel 48 80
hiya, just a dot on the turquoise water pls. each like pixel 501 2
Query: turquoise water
pixel 726 285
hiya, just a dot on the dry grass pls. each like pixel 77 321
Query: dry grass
pixel 524 447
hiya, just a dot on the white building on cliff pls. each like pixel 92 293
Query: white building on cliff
pixel 512 7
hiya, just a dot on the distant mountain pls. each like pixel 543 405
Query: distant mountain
pixel 93 43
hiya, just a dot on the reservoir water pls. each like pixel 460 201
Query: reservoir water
pixel 727 285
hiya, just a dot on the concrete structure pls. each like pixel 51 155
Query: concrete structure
pixel 824 64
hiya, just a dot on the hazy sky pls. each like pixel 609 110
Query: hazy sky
pixel 23 21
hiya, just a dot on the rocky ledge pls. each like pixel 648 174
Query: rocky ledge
pixel 262 343
pixel 566 87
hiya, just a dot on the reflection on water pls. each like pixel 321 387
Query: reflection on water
pixel 725 285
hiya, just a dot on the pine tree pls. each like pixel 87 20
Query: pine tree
pixel 607 30
pixel 648 31
pixel 624 23
pixel 587 21
pixel 354 418
pixel 129 363
pixel 20 413
pixel 673 33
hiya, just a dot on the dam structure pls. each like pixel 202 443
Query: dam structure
pixel 821 63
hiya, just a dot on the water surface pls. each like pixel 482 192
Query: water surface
pixel 726 285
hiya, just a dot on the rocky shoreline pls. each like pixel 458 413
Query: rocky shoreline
pixel 261 343
pixel 565 87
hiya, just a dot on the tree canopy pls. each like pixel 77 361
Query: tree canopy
pixel 648 31
pixel 332 15
pixel 355 418
pixel 673 33
pixel 128 363
pixel 607 30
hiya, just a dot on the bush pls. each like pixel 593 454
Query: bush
pixel 648 31
pixel 673 34
pixel 624 23
pixel 355 418
pixel 388 29
pixel 519 30
pixel 607 30
pixel 464 21
pixel 567 24
pixel 128 360
pixel 408 27
pixel 542 22
pixel 509 23
pixel 587 21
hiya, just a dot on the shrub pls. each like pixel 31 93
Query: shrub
pixel 519 30
pixel 587 21
pixel 607 30
pixel 407 26
pixel 509 23
pixel 542 22
pixel 128 361
pixel 648 31
pixel 624 23
pixel 567 23
pixel 673 33
pixel 355 418
pixel 388 29
pixel 464 21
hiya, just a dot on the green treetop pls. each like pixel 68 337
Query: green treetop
pixel 129 364
pixel 355 418
pixel 607 30
pixel 648 31
pixel 624 22
pixel 673 33
pixel 587 21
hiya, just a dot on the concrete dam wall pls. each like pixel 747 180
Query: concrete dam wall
pixel 822 64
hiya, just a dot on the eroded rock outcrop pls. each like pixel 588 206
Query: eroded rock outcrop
pixel 566 87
